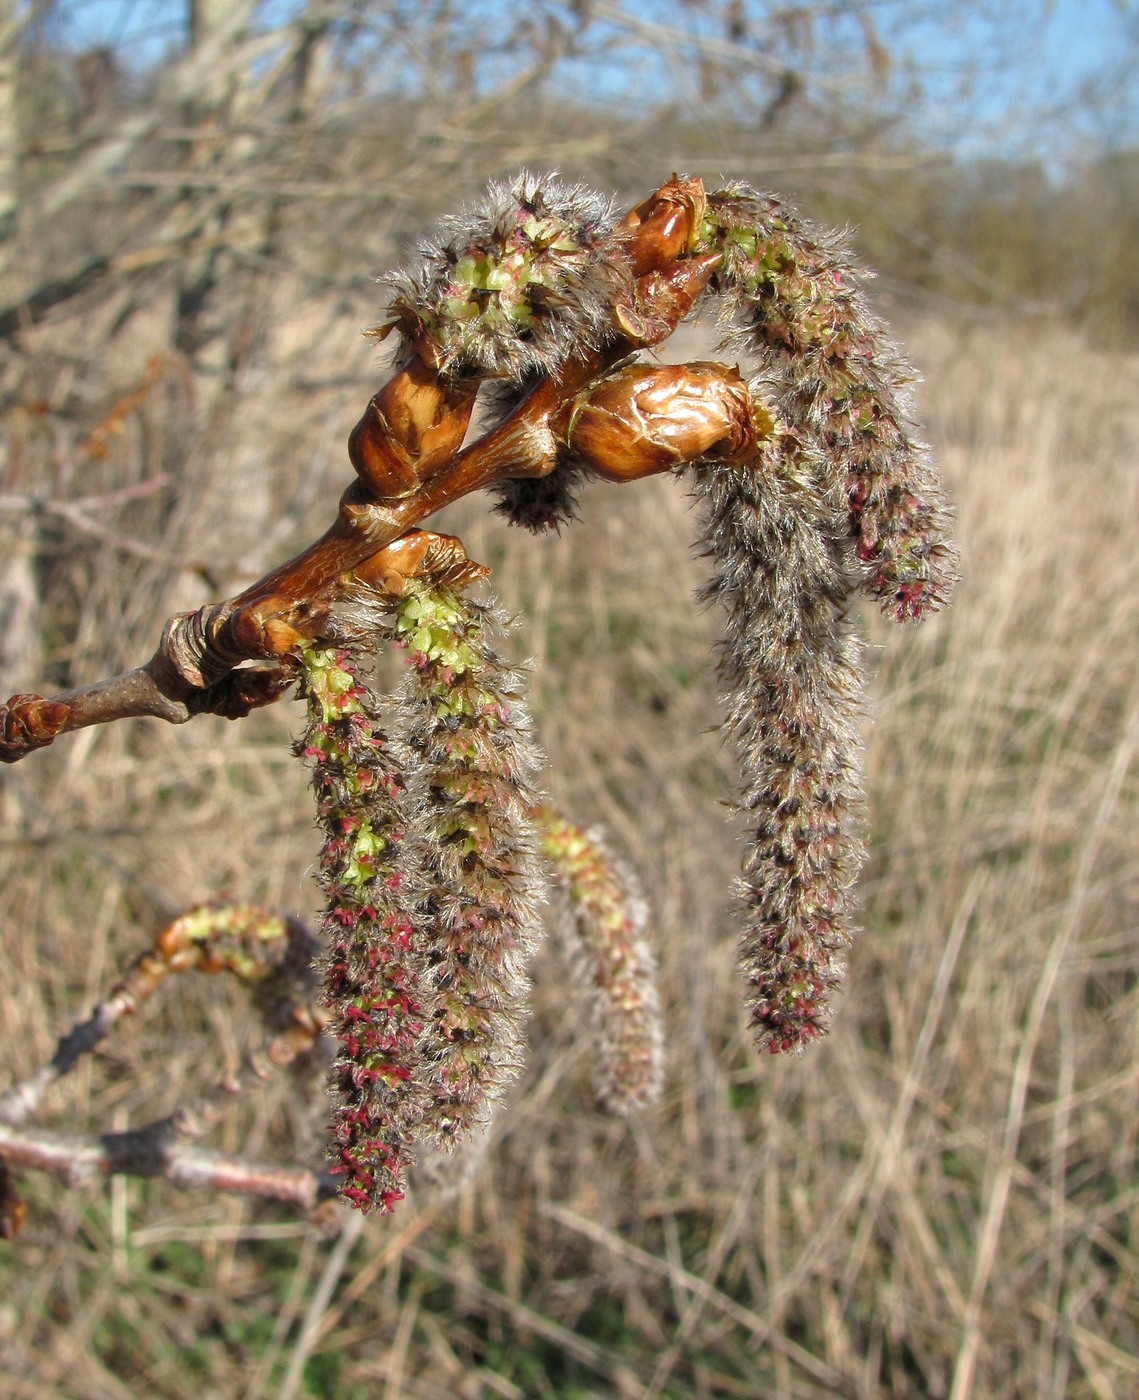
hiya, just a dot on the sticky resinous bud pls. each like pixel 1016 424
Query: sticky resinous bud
pixel 646 419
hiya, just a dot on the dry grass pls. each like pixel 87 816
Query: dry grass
pixel 937 1201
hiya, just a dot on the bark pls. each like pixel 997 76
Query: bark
pixel 9 128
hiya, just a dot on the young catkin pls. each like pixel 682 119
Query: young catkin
pixel 775 529
pixel 473 762
pixel 540 503
pixel 513 286
pixel 795 307
pixel 373 965
pixel 613 962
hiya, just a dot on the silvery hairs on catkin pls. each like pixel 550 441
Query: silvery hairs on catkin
pixel 790 678
pixel 472 767
pixel 373 965
pixel 841 494
pixel 511 288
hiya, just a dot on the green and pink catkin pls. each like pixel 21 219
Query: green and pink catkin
pixel 473 766
pixel 430 874
pixel 373 963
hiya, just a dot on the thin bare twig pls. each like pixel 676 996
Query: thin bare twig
pixel 77 1158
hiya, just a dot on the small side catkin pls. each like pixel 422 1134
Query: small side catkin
pixel 473 764
pixel 374 962
pixel 537 504
pixel 269 951
pixel 795 305
pixel 613 962
pixel 510 290
pixel 775 530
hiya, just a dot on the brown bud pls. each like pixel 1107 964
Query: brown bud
pixel 661 300
pixel 418 555
pixel 665 225
pixel 409 429
pixel 30 722
pixel 643 420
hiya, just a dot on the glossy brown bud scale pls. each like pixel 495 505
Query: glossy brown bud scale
pixel 647 419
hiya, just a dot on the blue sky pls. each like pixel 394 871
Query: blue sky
pixel 1073 45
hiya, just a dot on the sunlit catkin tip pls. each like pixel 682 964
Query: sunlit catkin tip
pixel 613 962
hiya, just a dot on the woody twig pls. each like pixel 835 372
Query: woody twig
pixel 269 953
pixel 406 452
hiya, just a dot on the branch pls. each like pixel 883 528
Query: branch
pixel 77 1158
pixel 267 952
pixel 263 949
pixel 163 1147
pixel 408 457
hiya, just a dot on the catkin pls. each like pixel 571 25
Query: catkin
pixel 473 764
pixel 774 530
pixel 795 306
pixel 373 965
pixel 613 962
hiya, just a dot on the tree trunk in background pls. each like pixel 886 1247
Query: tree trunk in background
pixel 19 591
pixel 211 20
pixel 9 132
pixel 209 16
pixel 221 320
pixel 20 643
pixel 312 66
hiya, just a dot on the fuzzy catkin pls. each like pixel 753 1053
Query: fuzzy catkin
pixel 514 285
pixel 613 962
pixel 373 965
pixel 775 531
pixel 511 289
pixel 472 763
pixel 795 306
pixel 540 503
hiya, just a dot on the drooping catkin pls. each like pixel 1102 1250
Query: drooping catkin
pixel 472 763
pixel 374 984
pixel 613 962
pixel 795 306
pixel 775 531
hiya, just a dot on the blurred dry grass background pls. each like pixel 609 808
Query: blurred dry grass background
pixel 952 1173
pixel 941 1200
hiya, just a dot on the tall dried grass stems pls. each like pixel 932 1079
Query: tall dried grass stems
pixel 944 1188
